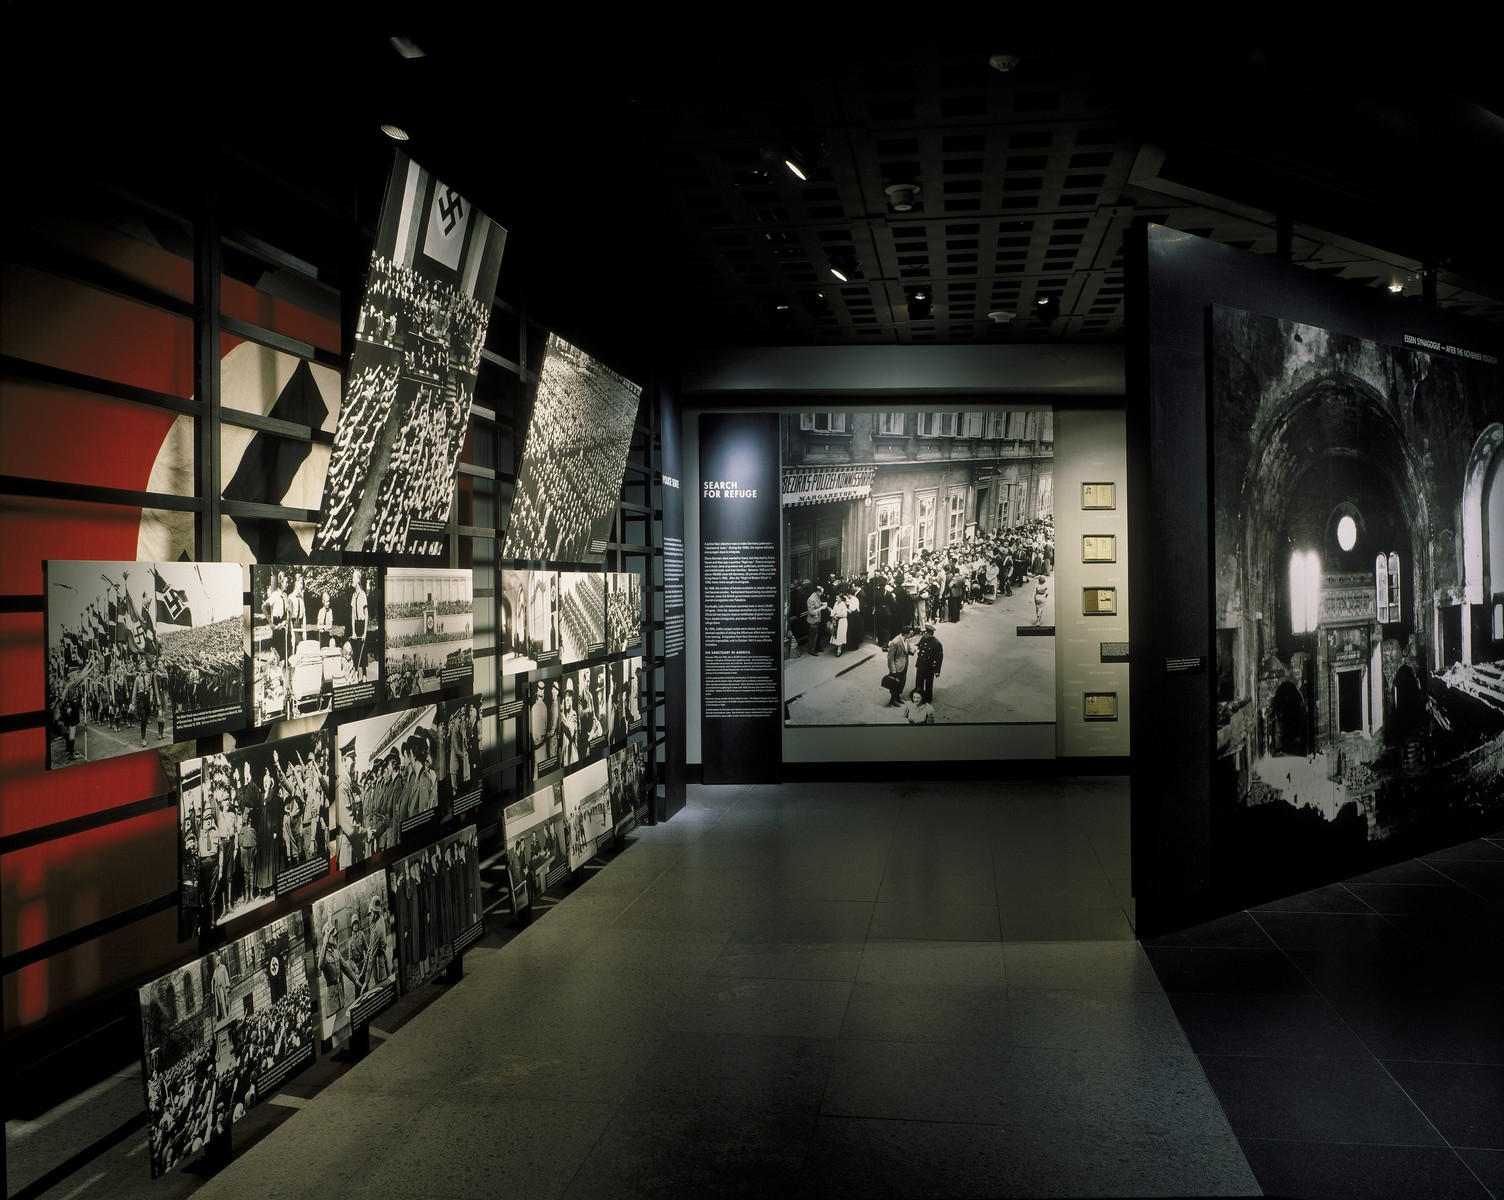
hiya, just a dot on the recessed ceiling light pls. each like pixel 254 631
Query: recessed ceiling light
pixel 999 315
pixel 1003 62
pixel 395 132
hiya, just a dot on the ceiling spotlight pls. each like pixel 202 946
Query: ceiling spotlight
pixel 1003 62
pixel 1397 287
pixel 801 162
pixel 407 47
pixel 921 307
pixel 844 267
pixel 395 132
pixel 1046 309
pixel 903 197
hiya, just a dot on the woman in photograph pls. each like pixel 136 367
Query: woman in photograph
pixel 840 613
pixel 569 731
pixel 919 711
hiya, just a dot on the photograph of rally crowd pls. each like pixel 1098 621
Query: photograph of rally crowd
pixel 253 824
pixel 429 630
pixel 315 640
pixel 220 1034
pixel 436 899
pixel 587 813
pixel 418 339
pixel 534 832
pixel 388 779
pixel 140 654
pixel 528 620
pixel 623 611
pixel 582 615
pixel 355 952
pixel 573 459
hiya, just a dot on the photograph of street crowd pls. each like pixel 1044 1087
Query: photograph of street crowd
pixel 315 640
pixel 919 567
pixel 418 338
pixel 253 824
pixel 429 630
pixel 572 459
pixel 140 654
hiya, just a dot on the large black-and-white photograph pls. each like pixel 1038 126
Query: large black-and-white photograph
pixel 183 1106
pixel 253 824
pixel 623 611
pixel 430 630
pixel 388 778
pixel 583 709
pixel 140 654
pixel 587 812
pixel 418 339
pixel 435 896
pixel 315 640
pixel 355 953
pixel 627 775
pixel 534 830
pixel 624 712
pixel 919 567
pixel 528 632
pixel 1359 540
pixel 582 616
pixel 572 460
pixel 542 709
pixel 458 765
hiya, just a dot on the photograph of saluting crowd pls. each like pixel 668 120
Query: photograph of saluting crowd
pixel 573 458
pixel 315 640
pixel 253 824
pixel 355 955
pixel 918 561
pixel 418 339
pixel 140 654
pixel 429 630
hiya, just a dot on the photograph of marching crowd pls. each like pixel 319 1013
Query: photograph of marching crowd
pixel 429 630
pixel 140 654
pixel 355 951
pixel 253 824
pixel 534 832
pixel 919 558
pixel 587 813
pixel 572 460
pixel 315 646
pixel 418 338
pixel 627 776
pixel 528 632
pixel 623 611
pixel 435 897
pixel 582 615
pixel 388 782
pixel 219 1034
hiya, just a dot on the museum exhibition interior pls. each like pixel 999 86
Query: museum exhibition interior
pixel 884 609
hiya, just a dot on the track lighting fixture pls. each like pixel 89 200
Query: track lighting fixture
pixel 844 267
pixel 395 132
pixel 803 161
pixel 921 304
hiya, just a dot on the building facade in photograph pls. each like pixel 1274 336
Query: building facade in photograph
pixel 864 491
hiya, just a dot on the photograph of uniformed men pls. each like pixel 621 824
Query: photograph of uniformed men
pixel 623 611
pixel 458 763
pixel 387 776
pixel 140 654
pixel 435 894
pixel 355 951
pixel 573 458
pixel 315 637
pixel 534 830
pixel 627 776
pixel 246 818
pixel 582 615
pixel 542 710
pixel 430 630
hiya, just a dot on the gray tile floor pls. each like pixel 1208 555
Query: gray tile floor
pixel 802 990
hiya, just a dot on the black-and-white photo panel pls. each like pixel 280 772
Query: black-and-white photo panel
pixel 355 957
pixel 542 708
pixel 623 611
pixel 388 767
pixel 918 567
pixel 580 735
pixel 178 1066
pixel 582 615
pixel 528 621
pixel 430 630
pixel 534 830
pixel 573 459
pixel 140 654
pixel 408 392
pixel 435 894
pixel 253 824
pixel 624 711
pixel 458 762
pixel 587 813
pixel 627 776
pixel 315 640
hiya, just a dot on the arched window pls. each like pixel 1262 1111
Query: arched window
pixel 1386 586
pixel 1305 591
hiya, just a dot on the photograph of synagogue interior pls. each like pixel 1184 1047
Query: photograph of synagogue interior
pixel 615 602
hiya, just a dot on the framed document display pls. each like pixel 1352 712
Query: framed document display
pixel 1099 602
pixel 1099 547
pixel 1099 496
pixel 1099 706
